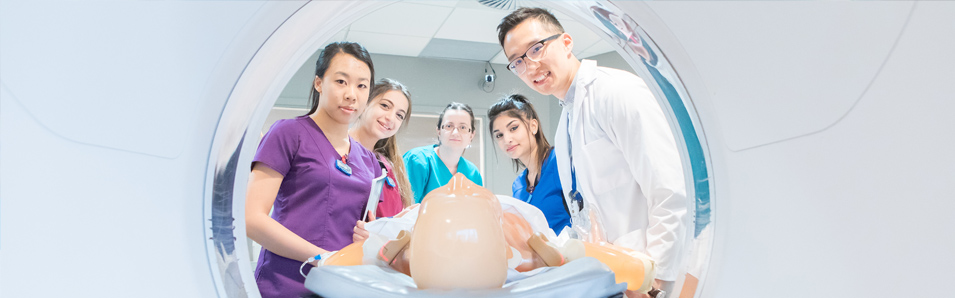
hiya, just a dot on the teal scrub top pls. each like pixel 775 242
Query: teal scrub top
pixel 426 171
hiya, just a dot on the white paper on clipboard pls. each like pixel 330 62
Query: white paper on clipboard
pixel 376 185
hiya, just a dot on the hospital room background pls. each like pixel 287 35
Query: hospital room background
pixel 440 70
pixel 815 136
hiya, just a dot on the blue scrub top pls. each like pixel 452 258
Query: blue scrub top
pixel 426 171
pixel 548 195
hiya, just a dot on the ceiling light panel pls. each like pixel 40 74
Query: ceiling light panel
pixel 410 19
pixel 390 44
pixel 478 25
pixel 459 49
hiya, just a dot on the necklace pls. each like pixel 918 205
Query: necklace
pixel 530 187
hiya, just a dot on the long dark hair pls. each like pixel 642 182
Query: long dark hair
pixel 388 147
pixel 325 59
pixel 517 106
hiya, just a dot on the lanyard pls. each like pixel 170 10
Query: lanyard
pixel 576 202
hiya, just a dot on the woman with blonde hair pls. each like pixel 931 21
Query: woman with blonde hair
pixel 388 108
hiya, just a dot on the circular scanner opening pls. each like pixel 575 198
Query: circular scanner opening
pixel 315 24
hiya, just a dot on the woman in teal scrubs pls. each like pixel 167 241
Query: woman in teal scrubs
pixel 432 166
pixel 516 130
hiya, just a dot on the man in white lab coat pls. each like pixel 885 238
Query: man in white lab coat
pixel 613 139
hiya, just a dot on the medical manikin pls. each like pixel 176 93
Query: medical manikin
pixel 462 225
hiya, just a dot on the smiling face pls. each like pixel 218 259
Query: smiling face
pixel 344 89
pixel 514 137
pixel 456 138
pixel 554 72
pixel 385 114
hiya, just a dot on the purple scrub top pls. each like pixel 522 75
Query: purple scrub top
pixel 316 200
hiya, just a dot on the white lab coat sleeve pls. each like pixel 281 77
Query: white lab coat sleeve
pixel 636 125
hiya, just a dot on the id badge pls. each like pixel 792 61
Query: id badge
pixel 343 167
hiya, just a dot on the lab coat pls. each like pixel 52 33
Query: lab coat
pixel 626 163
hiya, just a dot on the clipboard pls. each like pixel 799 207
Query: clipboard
pixel 377 185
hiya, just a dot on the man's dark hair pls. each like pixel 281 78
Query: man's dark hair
pixel 521 14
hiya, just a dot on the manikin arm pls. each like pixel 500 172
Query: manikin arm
pixel 461 226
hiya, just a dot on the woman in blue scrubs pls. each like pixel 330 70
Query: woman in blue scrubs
pixel 516 130
pixel 432 166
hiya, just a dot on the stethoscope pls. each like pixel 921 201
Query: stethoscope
pixel 530 188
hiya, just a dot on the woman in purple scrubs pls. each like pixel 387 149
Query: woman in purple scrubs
pixel 314 177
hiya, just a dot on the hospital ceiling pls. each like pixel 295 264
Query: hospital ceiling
pixel 465 30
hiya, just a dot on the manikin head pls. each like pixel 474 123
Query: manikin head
pixel 458 241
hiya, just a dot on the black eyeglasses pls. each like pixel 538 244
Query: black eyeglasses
pixel 534 53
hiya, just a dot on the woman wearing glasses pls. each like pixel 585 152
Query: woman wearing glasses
pixel 516 130
pixel 615 146
pixel 432 166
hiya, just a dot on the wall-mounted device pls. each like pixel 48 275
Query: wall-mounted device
pixel 487 84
